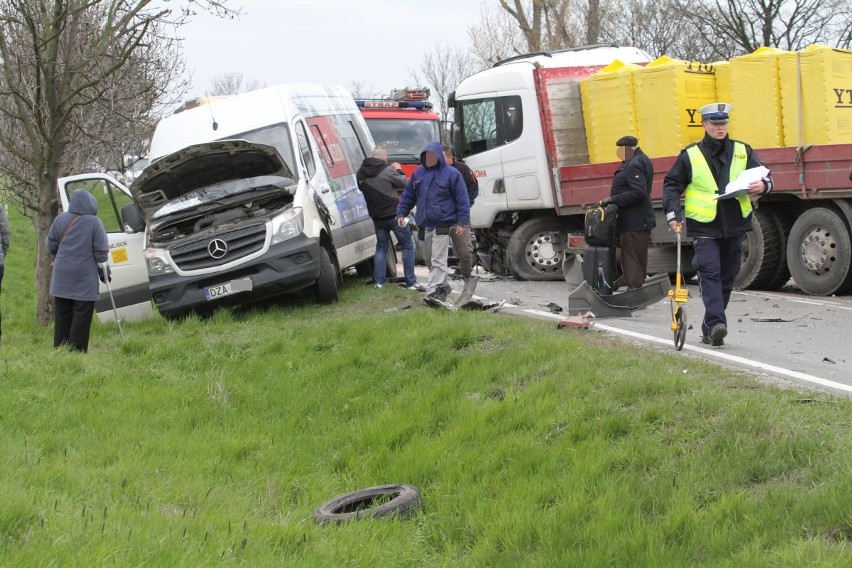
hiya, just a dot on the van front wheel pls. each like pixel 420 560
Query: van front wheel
pixel 326 285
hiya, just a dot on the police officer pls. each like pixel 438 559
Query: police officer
pixel 631 192
pixel 701 173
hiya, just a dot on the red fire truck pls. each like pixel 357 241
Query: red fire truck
pixel 403 123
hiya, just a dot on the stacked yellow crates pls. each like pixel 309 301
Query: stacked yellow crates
pixel 722 70
pixel 816 99
pixel 668 93
pixel 756 97
pixel 608 109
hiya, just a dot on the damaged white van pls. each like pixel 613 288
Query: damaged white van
pixel 246 197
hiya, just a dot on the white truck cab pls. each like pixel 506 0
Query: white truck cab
pixel 246 197
pixel 500 134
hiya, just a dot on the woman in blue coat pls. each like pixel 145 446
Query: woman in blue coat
pixel 78 242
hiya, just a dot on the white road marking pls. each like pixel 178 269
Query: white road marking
pixel 794 300
pixel 713 353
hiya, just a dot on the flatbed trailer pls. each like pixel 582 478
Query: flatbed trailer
pixel 801 229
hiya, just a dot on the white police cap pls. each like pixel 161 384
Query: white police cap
pixel 716 113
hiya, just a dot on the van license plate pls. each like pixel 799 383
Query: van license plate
pixel 228 288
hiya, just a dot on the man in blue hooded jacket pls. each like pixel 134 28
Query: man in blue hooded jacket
pixel 440 195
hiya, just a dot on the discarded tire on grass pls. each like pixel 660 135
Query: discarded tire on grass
pixel 372 502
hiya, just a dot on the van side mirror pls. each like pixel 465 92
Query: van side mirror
pixel 131 219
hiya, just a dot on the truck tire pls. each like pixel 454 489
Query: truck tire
pixel 326 284
pixel 374 502
pixel 763 252
pixel 782 273
pixel 532 253
pixel 818 252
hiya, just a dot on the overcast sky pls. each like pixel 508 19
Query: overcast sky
pixel 376 42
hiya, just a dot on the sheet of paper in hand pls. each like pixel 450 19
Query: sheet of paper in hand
pixel 739 186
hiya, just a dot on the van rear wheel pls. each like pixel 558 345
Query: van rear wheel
pixel 326 285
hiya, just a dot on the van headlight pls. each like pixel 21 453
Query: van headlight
pixel 287 225
pixel 157 261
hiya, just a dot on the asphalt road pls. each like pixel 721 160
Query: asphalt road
pixel 785 336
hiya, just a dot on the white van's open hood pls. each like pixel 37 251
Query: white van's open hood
pixel 202 165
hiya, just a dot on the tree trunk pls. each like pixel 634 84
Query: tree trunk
pixel 48 208
pixel 593 22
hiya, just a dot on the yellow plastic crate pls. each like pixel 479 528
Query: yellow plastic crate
pixel 815 85
pixel 756 97
pixel 722 71
pixel 668 93
pixel 608 109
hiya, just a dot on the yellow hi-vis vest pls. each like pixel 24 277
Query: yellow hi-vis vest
pixel 699 196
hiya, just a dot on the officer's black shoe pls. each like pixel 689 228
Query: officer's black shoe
pixel 717 335
pixel 707 340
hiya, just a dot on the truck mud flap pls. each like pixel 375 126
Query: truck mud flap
pixel 585 299
pixel 572 269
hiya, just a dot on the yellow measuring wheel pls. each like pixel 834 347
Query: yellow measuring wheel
pixel 677 297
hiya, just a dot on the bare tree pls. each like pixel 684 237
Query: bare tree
pixel 360 90
pixel 548 25
pixel 741 26
pixel 225 84
pixel 657 26
pixel 77 76
pixel 495 37
pixel 442 70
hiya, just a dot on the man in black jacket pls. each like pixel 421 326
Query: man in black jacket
pixel 717 225
pixel 381 185
pixel 631 192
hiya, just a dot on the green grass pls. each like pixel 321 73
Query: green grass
pixel 210 442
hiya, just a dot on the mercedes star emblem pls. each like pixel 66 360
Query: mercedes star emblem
pixel 217 248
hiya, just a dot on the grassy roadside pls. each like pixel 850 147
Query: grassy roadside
pixel 211 442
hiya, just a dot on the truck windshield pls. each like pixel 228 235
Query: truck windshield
pixel 403 138
pixel 490 123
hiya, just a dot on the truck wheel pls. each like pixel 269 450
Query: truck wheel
pixel 532 251
pixel 326 285
pixel 782 272
pixel 374 502
pixel 763 252
pixel 818 252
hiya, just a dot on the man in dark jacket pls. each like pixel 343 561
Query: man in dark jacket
pixel 631 192
pixel 440 195
pixel 79 242
pixel 467 174
pixel 381 185
pixel 5 238
pixel 701 173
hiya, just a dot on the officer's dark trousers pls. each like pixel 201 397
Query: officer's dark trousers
pixel 717 262
pixel 73 321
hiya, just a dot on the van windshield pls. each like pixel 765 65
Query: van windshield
pixel 277 136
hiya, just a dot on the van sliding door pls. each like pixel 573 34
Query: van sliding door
pixel 341 154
